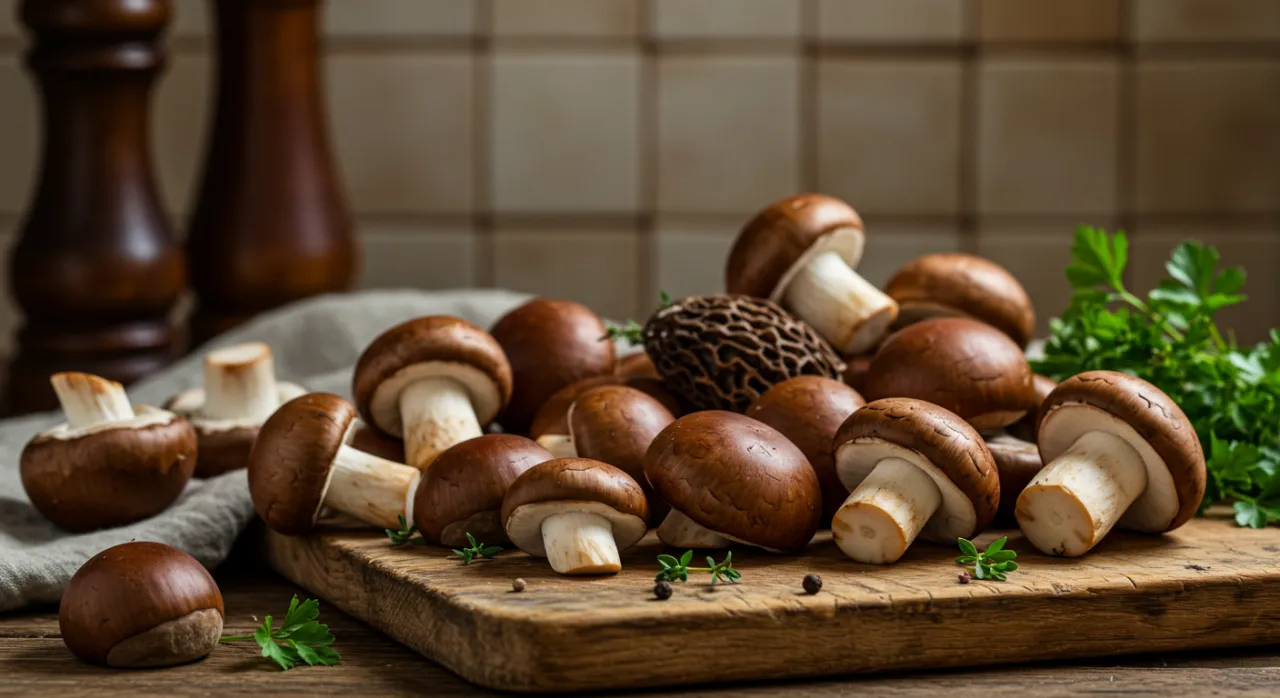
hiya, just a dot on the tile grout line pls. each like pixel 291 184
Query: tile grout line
pixel 485 248
pixel 807 139
pixel 967 221
pixel 1127 133
pixel 645 229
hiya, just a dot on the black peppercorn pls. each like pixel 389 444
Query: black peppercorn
pixel 964 577
pixel 812 584
pixel 662 590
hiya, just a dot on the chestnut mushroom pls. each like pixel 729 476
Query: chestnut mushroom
pixel 1017 461
pixel 856 369
pixel 363 437
pixel 433 381
pixel 141 604
pixel 240 391
pixel 110 463
pixel 550 426
pixel 954 284
pixel 636 364
pixel 1117 451
pixel 1027 427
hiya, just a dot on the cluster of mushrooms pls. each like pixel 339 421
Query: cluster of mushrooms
pixel 803 398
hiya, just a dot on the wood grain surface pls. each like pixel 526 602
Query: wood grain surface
pixel 1206 585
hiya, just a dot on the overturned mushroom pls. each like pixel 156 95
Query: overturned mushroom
pixel 962 285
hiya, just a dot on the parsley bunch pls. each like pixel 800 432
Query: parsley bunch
pixel 299 638
pixel 1230 393
pixel 991 563
pixel 674 570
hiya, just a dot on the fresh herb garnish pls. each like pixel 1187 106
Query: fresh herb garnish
pixel 1230 393
pixel 476 550
pixel 406 535
pixel 989 564
pixel 299 638
pixel 631 330
pixel 678 570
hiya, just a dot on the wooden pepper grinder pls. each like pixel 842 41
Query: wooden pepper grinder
pixel 95 269
pixel 271 224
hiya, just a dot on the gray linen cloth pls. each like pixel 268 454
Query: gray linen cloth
pixel 315 343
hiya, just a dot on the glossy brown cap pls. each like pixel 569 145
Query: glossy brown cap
pixel 1017 461
pixel 961 364
pixel 129 589
pixel 809 410
pixel 615 424
pixel 573 484
pixel 550 343
pixel 772 242
pixel 437 345
pixel 553 416
pixel 737 477
pixel 290 462
pixel 109 477
pixel 856 368
pixel 366 439
pixel 1027 427
pixel 637 364
pixel 953 283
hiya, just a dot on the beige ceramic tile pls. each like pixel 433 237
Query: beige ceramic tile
pixel 598 268
pixel 179 130
pixel 565 132
pixel 407 255
pixel 1037 255
pixel 190 18
pixel 19 136
pixel 574 18
pixel 888 136
pixel 1206 20
pixel 689 258
pixel 1207 136
pixel 889 246
pixel 728 132
pixel 723 19
pixel 399 17
pixel 890 20
pixel 1048 136
pixel 1050 20
pixel 404 130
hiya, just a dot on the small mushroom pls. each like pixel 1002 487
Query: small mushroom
pixel 615 424
pixel 1117 451
pixel 914 469
pixel 550 426
pixel 463 489
pixel 240 391
pixel 550 343
pixel 1017 461
pixel 965 366
pixel 110 463
pixel 141 604
pixel 730 478
pixel 1027 427
pixel 809 410
pixel 801 252
pixel 300 463
pixel 962 285
pixel 637 364
pixel 577 513
pixel 433 381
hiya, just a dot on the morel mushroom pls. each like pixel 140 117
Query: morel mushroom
pixel 962 285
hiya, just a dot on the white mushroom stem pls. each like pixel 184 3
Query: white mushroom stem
pixel 240 383
pixel 1071 504
pixel 579 542
pixel 373 490
pixel 885 513
pixel 87 399
pixel 680 531
pixel 436 413
pixel 560 445
pixel 846 309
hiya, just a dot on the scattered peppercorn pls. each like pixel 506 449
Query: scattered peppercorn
pixel 662 590
pixel 812 584
pixel 964 577
pixel 518 585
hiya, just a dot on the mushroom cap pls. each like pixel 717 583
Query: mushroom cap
pixel 366 439
pixel 428 347
pixel 738 477
pixel 938 442
pixel 224 444
pixel 553 416
pixel 291 461
pixel 1017 461
pixel 779 239
pixel 1149 421
pixel 463 489
pixel 109 474
pixel 615 424
pixel 550 343
pixel 856 368
pixel 573 484
pixel 961 364
pixel 809 410
pixel 956 284
pixel 120 595
pixel 1027 427
pixel 637 364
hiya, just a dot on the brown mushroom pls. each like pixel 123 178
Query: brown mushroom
pixel 965 366
pixel 577 513
pixel 433 381
pixel 1117 452
pixel 1017 461
pixel 856 368
pixel 962 285
pixel 550 426
pixel 1027 427
pixel 141 604
pixel 914 469
pixel 110 463
pixel 809 410
pixel 363 437
pixel 637 364
pixel 731 478
pixel 801 252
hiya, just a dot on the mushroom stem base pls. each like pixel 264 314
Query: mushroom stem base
pixel 883 516
pixel 1071 504
pixel 680 531
pixel 560 445
pixel 580 542
pixel 240 383
pixel 436 414
pixel 847 310
pixel 174 642
pixel 87 400
pixel 371 489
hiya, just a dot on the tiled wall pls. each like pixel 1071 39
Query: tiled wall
pixel 606 149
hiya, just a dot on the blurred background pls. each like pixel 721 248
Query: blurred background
pixel 603 150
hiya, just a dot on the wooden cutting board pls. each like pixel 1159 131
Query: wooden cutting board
pixel 1208 584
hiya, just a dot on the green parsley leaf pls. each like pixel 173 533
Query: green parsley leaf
pixel 299 638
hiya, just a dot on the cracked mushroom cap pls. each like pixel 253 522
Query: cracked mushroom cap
pixel 737 477
pixel 428 347
pixel 1149 421
pixel 615 424
pixel 569 485
pixel 961 364
pixel 937 442
pixel 963 285
pixel 778 240
pixel 1017 461
pixel 290 463
pixel 224 444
